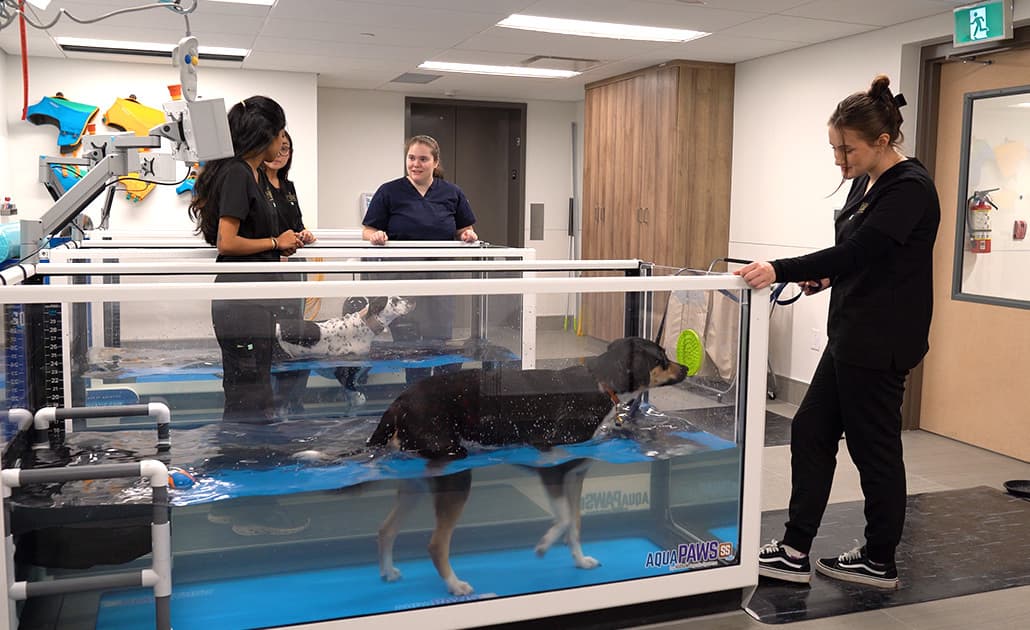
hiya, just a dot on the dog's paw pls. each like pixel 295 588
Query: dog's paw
pixel 586 562
pixel 541 549
pixel 458 587
pixel 391 574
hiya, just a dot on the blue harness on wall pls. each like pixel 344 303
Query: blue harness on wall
pixel 69 117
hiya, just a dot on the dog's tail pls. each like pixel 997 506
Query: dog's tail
pixel 385 430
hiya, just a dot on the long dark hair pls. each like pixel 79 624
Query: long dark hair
pixel 284 172
pixel 253 124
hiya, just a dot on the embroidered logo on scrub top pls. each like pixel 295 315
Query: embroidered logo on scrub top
pixel 861 209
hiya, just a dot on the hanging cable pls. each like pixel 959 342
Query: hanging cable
pixel 24 61
pixel 11 8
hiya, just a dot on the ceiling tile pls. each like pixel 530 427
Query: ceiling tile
pixel 796 29
pixel 344 50
pixel 878 12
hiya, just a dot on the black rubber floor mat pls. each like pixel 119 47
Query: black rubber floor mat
pixel 957 542
pixel 720 421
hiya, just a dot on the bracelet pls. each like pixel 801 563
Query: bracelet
pixel 275 244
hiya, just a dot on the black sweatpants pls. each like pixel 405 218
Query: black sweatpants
pixel 865 406
pixel 246 335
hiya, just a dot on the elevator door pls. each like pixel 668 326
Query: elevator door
pixel 480 152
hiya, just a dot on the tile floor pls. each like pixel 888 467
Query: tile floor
pixel 933 463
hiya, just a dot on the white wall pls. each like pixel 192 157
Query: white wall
pixel 362 146
pixel 100 82
pixel 783 171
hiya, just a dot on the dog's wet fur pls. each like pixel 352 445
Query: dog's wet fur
pixel 349 335
pixel 540 408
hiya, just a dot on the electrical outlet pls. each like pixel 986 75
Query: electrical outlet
pixel 816 340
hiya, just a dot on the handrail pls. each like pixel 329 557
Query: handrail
pixel 158 576
pixel 49 415
pixel 194 267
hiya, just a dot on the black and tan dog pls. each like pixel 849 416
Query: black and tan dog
pixel 540 408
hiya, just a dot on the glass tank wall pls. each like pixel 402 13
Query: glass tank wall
pixel 544 459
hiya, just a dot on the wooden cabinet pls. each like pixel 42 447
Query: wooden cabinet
pixel 656 173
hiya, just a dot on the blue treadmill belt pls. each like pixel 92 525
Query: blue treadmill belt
pixel 309 596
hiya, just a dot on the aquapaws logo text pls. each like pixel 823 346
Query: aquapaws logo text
pixel 690 555
pixel 614 501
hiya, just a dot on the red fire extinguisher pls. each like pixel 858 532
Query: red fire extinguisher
pixel 978 219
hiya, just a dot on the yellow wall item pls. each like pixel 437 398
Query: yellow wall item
pixel 128 114
pixel 136 190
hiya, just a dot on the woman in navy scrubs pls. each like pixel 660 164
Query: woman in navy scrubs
pixel 421 206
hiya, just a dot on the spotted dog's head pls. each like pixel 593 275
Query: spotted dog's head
pixel 392 308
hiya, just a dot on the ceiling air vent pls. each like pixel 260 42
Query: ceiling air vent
pixel 416 77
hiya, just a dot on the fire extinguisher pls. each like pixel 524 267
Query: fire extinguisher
pixel 978 219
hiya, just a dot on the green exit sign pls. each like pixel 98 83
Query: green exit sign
pixel 983 22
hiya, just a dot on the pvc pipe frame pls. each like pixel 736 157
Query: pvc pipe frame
pixel 49 415
pixel 158 576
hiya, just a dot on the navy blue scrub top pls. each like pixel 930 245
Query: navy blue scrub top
pixel 398 209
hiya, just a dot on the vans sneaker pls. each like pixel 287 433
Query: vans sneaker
pixel 774 562
pixel 855 566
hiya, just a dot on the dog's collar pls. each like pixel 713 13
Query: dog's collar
pixel 374 324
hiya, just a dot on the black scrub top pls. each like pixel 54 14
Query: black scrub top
pixel 242 198
pixel 881 269
pixel 284 201
pixel 398 209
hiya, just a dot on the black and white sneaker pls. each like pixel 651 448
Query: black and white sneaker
pixel 855 566
pixel 774 562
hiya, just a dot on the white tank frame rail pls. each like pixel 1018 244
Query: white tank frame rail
pixel 48 416
pixel 71 251
pixel 350 234
pixel 158 576
pixel 197 267
pixel 341 243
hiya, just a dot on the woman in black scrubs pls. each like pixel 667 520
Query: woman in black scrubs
pixel 232 213
pixel 881 273
pixel 289 387
pixel 421 206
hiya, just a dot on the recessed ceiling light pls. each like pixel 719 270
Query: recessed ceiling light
pixel 609 30
pixel 151 49
pixel 507 71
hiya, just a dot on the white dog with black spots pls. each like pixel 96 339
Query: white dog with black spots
pixel 349 335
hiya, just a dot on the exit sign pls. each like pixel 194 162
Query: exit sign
pixel 983 22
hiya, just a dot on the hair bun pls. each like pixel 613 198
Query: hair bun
pixel 881 84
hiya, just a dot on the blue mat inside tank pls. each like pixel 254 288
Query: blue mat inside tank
pixel 358 590
pixel 233 460
pixel 294 478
